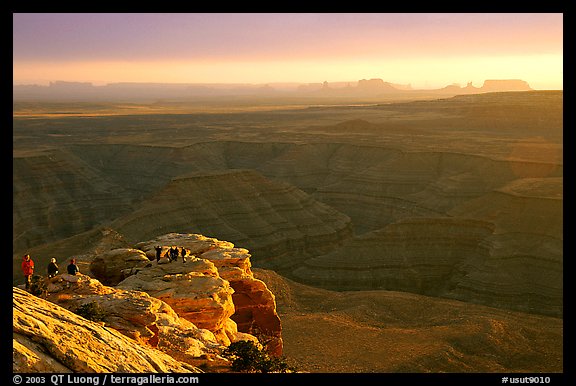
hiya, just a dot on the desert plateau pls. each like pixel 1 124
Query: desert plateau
pixel 411 232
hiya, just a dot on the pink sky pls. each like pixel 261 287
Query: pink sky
pixel 427 50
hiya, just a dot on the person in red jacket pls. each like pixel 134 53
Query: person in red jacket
pixel 27 270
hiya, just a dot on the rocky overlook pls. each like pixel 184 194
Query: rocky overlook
pixel 179 311
pixel 49 338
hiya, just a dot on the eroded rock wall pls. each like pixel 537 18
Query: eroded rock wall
pixel 267 217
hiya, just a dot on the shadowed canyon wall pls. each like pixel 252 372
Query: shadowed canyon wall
pixel 463 206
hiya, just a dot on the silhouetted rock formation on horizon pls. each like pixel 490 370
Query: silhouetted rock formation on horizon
pixel 60 90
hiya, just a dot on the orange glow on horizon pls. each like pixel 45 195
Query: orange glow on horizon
pixel 427 50
pixel 540 71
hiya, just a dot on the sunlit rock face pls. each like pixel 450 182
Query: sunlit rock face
pixel 133 313
pixel 214 288
pixel 193 289
pixel 50 338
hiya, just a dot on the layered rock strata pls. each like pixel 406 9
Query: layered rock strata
pixel 56 195
pixel 461 258
pixel 422 184
pixel 373 185
pixel 527 205
pixel 524 270
pixel 415 255
pixel 268 217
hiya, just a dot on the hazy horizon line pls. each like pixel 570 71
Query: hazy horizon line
pixel 409 87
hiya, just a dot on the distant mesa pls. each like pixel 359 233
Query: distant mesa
pixel 63 90
pixel 375 85
pixel 508 85
pixel 62 85
pixel 491 85
pixel 456 88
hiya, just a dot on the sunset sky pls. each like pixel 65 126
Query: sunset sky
pixel 427 50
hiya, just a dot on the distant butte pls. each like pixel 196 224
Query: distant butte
pixel 61 90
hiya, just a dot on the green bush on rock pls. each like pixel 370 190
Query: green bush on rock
pixel 247 357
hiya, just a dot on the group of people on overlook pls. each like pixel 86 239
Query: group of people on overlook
pixel 72 269
pixel 172 253
pixel 52 269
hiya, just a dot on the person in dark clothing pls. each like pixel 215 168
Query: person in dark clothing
pixel 52 268
pixel 27 270
pixel 183 254
pixel 158 252
pixel 72 267
pixel 173 254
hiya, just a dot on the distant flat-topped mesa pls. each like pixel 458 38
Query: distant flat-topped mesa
pixel 505 85
pixel 71 91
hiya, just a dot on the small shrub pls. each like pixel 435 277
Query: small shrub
pixel 91 311
pixel 247 357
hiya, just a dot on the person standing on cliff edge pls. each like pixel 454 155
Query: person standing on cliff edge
pixel 52 268
pixel 27 270
pixel 72 267
pixel 158 249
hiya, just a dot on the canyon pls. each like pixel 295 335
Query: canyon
pixel 455 201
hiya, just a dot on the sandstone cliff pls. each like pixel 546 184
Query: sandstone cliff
pixel 189 309
pixel 214 288
pixel 137 315
pixel 49 338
